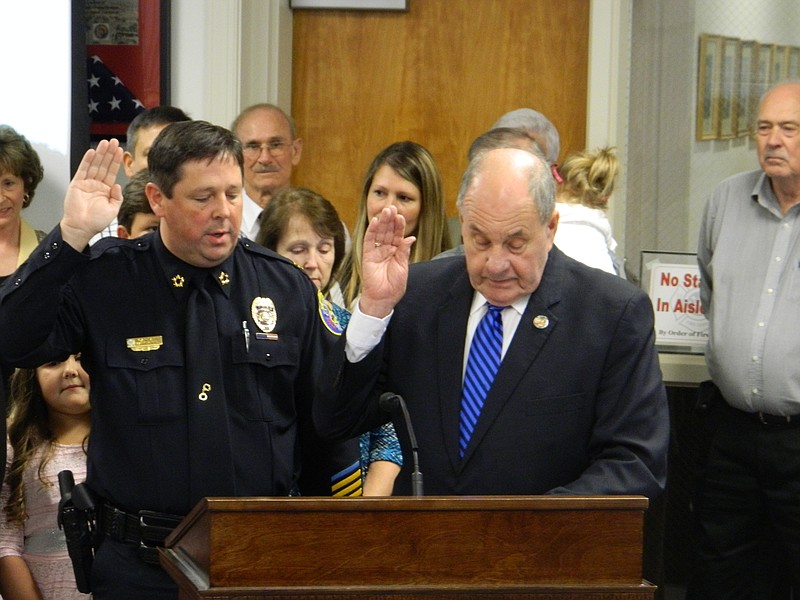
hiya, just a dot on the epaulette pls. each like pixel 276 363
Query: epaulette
pixel 108 245
pixel 255 248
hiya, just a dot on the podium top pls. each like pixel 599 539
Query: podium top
pixel 425 503
pixel 465 542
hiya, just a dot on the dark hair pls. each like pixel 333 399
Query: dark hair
pixel 18 157
pixel 186 142
pixel 152 117
pixel 504 137
pixel 320 213
pixel 134 200
pixel 28 430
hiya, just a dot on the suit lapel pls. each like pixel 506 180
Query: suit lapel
pixel 535 326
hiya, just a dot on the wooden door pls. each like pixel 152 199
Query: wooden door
pixel 439 74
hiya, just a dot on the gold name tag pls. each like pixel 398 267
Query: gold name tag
pixel 145 344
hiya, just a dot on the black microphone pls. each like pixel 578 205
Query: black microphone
pixel 390 402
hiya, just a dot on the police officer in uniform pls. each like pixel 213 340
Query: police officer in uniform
pixel 203 349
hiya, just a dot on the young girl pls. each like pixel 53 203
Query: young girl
pixel 48 430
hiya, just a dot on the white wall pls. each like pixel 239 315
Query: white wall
pixel 777 22
pixel 36 95
pixel 608 94
pixel 228 54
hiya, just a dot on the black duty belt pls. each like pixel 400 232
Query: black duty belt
pixel 768 420
pixel 146 529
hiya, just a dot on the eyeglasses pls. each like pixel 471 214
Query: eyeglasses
pixel 276 148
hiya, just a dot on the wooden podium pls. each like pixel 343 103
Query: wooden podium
pixel 437 548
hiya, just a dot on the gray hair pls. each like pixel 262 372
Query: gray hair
pixel 534 123
pixel 505 137
pixel 267 107
pixel 541 185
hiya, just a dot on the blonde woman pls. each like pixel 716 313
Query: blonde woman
pixel 584 232
pixel 403 174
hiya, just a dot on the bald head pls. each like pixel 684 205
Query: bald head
pixel 778 141
pixel 516 163
pixel 507 222
pixel 271 150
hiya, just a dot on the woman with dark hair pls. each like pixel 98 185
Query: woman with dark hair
pixel 20 173
pixel 305 228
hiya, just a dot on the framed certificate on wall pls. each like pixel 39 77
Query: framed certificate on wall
pixel 127 61
pixel 708 86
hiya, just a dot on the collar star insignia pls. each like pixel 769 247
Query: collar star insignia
pixel 178 281
pixel 223 277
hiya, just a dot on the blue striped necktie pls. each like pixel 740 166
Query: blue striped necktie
pixel 482 365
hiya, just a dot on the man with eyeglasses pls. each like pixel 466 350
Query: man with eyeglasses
pixel 271 150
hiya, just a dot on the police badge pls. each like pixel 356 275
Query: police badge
pixel 264 315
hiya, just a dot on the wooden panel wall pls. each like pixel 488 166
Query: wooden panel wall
pixel 439 74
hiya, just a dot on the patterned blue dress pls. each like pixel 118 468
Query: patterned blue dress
pixel 380 443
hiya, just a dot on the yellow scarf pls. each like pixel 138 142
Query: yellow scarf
pixel 28 240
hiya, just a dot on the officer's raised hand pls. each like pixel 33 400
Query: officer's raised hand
pixel 93 198
pixel 384 265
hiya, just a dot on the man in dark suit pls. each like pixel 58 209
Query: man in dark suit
pixel 577 405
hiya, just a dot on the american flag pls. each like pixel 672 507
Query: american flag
pixel 109 100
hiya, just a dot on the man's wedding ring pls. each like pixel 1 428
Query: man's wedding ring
pixel 378 244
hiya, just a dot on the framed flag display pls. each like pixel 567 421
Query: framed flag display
pixel 127 62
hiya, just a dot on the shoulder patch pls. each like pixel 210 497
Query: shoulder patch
pixel 328 316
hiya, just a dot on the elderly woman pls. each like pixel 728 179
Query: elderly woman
pixel 305 228
pixel 20 173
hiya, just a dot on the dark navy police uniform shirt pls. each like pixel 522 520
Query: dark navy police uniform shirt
pixel 124 309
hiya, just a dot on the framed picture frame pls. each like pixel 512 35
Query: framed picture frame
pixel 729 93
pixel 351 4
pixel 778 64
pixel 793 63
pixel 761 74
pixel 748 50
pixel 708 86
pixel 127 41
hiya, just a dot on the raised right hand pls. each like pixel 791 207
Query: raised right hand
pixel 93 198
pixel 384 265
